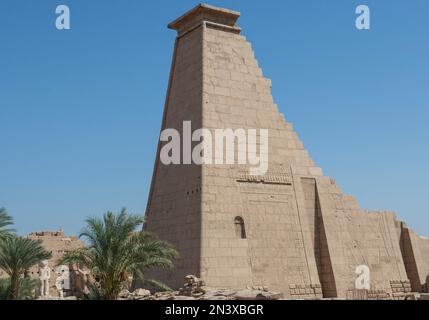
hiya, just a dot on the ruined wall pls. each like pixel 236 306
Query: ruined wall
pixel 59 244
pixel 291 229
pixel 286 247
pixel 356 237
pixel 415 252
pixel 278 249
pixel 423 244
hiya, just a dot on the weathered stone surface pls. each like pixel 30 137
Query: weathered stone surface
pixel 57 298
pixel 210 294
pixel 197 291
pixel 124 294
pixel 303 236
pixel 252 294
pixel 141 293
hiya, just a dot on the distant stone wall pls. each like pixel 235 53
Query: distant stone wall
pixel 57 243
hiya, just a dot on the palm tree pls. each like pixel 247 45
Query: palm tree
pixel 5 220
pixel 116 252
pixel 17 255
pixel 27 288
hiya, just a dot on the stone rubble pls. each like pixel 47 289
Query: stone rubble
pixel 195 289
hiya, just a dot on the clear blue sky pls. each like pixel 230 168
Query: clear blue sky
pixel 80 110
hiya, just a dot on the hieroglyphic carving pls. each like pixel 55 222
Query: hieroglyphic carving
pixel 279 175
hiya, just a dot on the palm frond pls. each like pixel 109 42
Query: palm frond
pixel 95 293
pixel 5 221
pixel 18 254
pixel 158 285
pixel 118 250
pixel 27 288
pixel 80 256
pixel 4 288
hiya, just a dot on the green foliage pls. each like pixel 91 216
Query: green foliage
pixel 27 288
pixel 4 288
pixel 160 286
pixel 117 251
pixel 5 221
pixel 18 254
pixel 95 293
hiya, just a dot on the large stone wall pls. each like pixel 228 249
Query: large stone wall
pixel 355 238
pixel 415 250
pixel 301 235
pixel 423 245
pixel 278 249
pixel 174 209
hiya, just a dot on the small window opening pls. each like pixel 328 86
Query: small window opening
pixel 240 229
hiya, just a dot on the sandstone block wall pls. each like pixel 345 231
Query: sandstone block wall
pixel 292 229
pixel 415 250
pixel 174 209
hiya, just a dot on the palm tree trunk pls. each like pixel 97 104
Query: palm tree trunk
pixel 14 286
pixel 111 293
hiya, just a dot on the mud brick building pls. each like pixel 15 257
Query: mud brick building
pixel 57 243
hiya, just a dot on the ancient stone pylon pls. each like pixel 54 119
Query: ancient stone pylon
pixel 291 229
